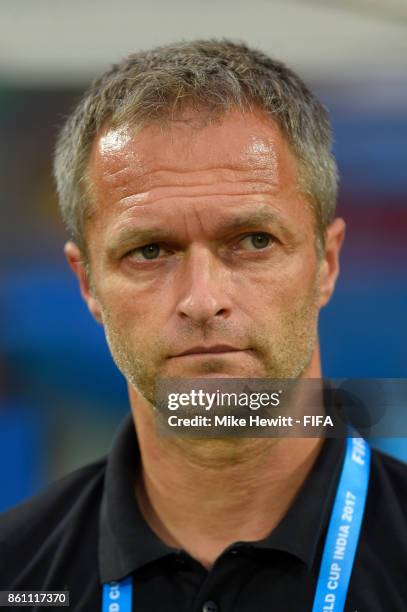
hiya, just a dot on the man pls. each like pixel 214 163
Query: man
pixel 199 189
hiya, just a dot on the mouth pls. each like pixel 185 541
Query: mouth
pixel 218 349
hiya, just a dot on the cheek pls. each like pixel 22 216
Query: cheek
pixel 135 313
pixel 276 290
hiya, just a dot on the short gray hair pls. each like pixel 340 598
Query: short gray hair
pixel 211 75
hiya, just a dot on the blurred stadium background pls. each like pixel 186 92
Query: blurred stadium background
pixel 60 395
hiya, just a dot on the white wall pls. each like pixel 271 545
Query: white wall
pixel 68 41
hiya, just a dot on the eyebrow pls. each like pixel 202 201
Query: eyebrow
pixel 142 236
pixel 159 234
pixel 252 219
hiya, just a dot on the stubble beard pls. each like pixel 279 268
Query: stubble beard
pixel 284 353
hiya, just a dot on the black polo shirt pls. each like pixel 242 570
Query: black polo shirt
pixel 87 528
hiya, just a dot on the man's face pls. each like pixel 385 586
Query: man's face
pixel 200 241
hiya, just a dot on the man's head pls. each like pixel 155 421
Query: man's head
pixel 198 185
pixel 212 77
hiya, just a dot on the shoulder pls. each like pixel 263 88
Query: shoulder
pixel 40 524
pixel 389 475
pixel 57 500
pixel 378 577
pixel 387 495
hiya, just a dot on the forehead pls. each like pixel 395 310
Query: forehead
pixel 248 143
pixel 190 175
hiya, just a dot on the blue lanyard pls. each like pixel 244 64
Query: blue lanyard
pixel 117 596
pixel 340 544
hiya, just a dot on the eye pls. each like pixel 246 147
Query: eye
pixel 257 241
pixel 149 251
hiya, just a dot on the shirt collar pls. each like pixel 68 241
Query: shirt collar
pixel 126 541
pixel 305 523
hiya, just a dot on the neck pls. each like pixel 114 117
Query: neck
pixel 203 495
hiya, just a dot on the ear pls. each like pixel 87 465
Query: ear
pixel 329 270
pixel 77 265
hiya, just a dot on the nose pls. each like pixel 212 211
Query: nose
pixel 203 288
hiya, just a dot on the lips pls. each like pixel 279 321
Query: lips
pixel 199 350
